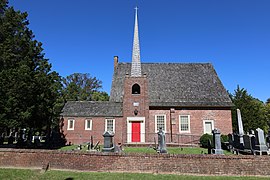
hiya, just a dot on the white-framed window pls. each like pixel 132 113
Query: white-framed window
pixel 184 123
pixel 71 124
pixel 110 125
pixel 88 124
pixel 160 122
pixel 208 126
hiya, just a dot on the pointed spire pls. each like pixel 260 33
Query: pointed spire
pixel 136 62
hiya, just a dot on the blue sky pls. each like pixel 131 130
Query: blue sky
pixel 84 35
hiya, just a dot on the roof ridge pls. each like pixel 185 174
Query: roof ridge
pixel 169 63
pixel 93 101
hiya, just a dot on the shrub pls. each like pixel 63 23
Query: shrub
pixel 204 140
pixel 224 138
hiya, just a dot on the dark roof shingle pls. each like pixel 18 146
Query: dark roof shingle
pixel 176 84
pixel 92 109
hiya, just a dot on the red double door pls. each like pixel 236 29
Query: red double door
pixel 136 131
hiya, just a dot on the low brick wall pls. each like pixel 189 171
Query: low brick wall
pixel 147 163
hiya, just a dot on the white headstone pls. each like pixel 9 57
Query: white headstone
pixel 240 126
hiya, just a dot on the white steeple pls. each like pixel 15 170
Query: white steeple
pixel 136 62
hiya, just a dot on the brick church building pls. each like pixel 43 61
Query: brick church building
pixel 186 100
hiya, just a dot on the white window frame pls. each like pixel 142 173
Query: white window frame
pixel 85 124
pixel 165 128
pixel 188 131
pixel 205 121
pixel 68 127
pixel 106 121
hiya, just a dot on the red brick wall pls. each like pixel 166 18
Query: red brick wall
pixel 148 163
pixel 129 99
pixel 222 120
pixel 80 135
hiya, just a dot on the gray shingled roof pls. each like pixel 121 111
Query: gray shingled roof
pixel 92 109
pixel 176 84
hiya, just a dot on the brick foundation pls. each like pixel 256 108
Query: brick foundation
pixel 148 163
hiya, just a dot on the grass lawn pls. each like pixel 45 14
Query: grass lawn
pixel 147 150
pixel 16 174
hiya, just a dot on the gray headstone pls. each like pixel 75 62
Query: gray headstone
pixel 30 135
pixel 16 136
pixel 10 139
pixel 236 141
pixel 161 142
pixel 217 142
pixel 108 141
pixel 253 142
pixel 37 141
pixel 118 148
pixel 261 145
pixel 230 137
pixel 23 134
pixel 247 142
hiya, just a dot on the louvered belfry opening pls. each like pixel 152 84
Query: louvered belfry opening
pixel 136 89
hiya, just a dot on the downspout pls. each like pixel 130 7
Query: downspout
pixel 172 110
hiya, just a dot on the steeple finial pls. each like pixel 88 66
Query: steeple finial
pixel 136 60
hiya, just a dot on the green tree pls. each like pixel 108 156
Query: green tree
pixel 28 88
pixel 253 111
pixel 80 87
pixel 268 101
pixel 267 105
pixel 100 96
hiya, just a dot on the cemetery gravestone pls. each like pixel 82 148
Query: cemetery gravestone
pixel 23 134
pixel 240 129
pixel 231 140
pixel 161 142
pixel 251 132
pixel 236 141
pixel 37 141
pixel 261 145
pixel 1 140
pixel 16 136
pixel 10 139
pixel 217 142
pixel 247 142
pixel 30 135
pixel 108 141
pixel 22 138
pixel 118 148
pixel 253 142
